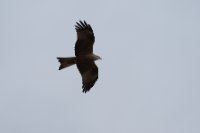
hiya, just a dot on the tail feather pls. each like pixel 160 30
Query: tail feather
pixel 66 62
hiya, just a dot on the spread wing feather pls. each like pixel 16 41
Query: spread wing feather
pixel 85 39
pixel 89 73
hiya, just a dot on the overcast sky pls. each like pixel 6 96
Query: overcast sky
pixel 148 78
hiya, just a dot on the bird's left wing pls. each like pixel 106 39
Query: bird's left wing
pixel 89 73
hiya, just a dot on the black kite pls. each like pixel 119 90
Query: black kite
pixel 84 57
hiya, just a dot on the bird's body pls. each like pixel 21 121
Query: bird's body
pixel 84 57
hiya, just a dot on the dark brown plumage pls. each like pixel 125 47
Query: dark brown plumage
pixel 84 57
pixel 85 39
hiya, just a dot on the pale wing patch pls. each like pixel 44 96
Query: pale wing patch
pixel 88 77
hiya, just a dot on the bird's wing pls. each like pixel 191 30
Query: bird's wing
pixel 85 38
pixel 89 73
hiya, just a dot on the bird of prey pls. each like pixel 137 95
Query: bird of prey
pixel 84 57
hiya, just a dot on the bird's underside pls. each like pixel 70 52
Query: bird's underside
pixel 84 57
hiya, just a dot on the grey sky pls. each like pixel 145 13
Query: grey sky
pixel 148 78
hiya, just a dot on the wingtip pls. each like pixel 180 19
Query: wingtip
pixel 80 25
pixel 85 91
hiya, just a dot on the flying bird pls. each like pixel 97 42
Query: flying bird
pixel 84 57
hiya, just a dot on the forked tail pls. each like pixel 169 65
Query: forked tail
pixel 66 61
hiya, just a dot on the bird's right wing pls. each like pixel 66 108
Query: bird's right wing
pixel 85 39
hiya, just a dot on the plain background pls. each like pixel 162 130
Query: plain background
pixel 148 78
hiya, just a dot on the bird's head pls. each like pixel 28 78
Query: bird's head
pixel 96 57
